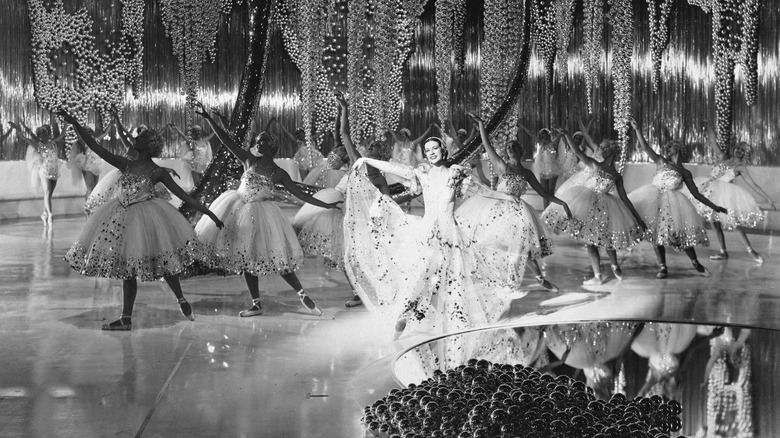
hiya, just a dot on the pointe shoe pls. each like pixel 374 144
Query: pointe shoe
pixel 662 273
pixel 597 280
pixel 45 219
pixel 310 305
pixel 122 324
pixel 617 271
pixel 186 309
pixel 756 256
pixel 400 326
pixel 354 302
pixel 255 310
pixel 700 269
pixel 546 284
pixel 723 255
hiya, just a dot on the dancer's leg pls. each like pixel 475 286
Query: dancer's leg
pixel 721 241
pixel 175 285
pixel 292 280
pixel 691 253
pixel 595 262
pixel 533 265
pixel 660 256
pixel 743 237
pixel 356 300
pixel 129 292
pixel 252 284
pixel 612 254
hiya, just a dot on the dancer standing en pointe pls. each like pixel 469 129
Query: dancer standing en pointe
pixel 513 180
pixel 600 219
pixel 136 235
pixel 742 210
pixel 671 218
pixel 257 239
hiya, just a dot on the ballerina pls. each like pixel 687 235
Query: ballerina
pixel 257 238
pixel 421 271
pixel 196 150
pixel 600 219
pixel 547 163
pixel 307 157
pixel 513 179
pixel 43 163
pixel 671 218
pixel 742 210
pixel 407 150
pixel 136 235
pixel 328 173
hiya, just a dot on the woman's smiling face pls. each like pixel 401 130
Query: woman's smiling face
pixel 434 151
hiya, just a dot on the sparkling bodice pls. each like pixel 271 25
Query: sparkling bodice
pixel 255 187
pixel 439 191
pixel 50 165
pixel 599 181
pixel 512 184
pixel 134 188
pixel 666 179
pixel 723 172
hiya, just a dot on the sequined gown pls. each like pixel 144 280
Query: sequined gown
pixel 321 230
pixel 743 211
pixel 508 226
pixel 670 216
pixel 424 269
pixel 598 218
pixel 307 157
pixel 257 238
pixel 134 235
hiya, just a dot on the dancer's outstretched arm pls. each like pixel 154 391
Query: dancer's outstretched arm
pixel 171 185
pixel 688 180
pixel 577 151
pixel 223 136
pixel 621 190
pixel 283 178
pixel 108 157
pixel 496 159
pixel 399 169
pixel 743 172
pixel 640 138
pixel 124 136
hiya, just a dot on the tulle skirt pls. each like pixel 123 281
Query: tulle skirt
pixel 146 240
pixel 425 270
pixel 256 239
pixel 503 229
pixel 670 217
pixel 321 230
pixel 323 176
pixel 743 211
pixel 599 219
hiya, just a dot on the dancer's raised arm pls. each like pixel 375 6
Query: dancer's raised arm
pixel 224 137
pixel 577 151
pixel 346 138
pixel 496 159
pixel 640 138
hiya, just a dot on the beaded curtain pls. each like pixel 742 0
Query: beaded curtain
pixel 684 108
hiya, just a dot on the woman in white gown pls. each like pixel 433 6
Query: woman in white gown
pixel 423 273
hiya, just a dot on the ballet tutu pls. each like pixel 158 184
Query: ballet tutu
pixel 323 176
pixel 547 165
pixel 146 240
pixel 506 226
pixel 670 217
pixel 599 219
pixel 743 211
pixel 321 230
pixel 257 238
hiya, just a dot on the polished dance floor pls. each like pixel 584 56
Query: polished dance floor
pixel 286 373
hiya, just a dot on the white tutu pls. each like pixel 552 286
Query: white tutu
pixel 323 176
pixel 670 217
pixel 257 238
pixel 321 230
pixel 743 211
pixel 148 239
pixel 598 218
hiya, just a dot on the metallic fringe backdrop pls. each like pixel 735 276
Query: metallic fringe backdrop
pixel 684 107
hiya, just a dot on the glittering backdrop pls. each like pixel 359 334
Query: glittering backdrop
pixel 683 108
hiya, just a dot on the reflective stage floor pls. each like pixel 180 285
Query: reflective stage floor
pixel 286 373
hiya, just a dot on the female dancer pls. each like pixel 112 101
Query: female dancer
pixel 306 156
pixel 86 160
pixel 422 271
pixel 670 217
pixel 513 180
pixel 330 171
pixel 600 219
pixel 137 236
pixel 257 239
pixel 743 212
pixel 197 151
pixel 547 163
pixel 407 151
pixel 43 163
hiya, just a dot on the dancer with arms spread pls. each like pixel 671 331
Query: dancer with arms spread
pixel 257 239
pixel 136 235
